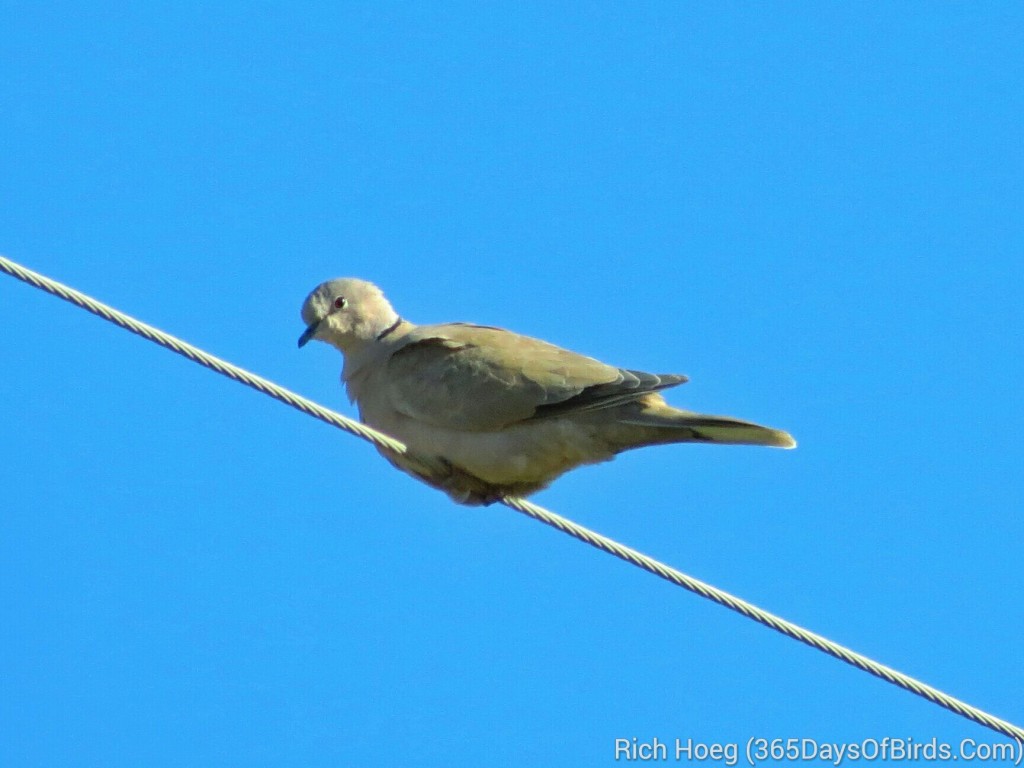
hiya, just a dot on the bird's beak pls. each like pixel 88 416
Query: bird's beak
pixel 308 334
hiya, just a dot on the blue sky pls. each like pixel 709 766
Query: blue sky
pixel 812 209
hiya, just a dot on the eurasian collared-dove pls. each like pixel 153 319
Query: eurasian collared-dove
pixel 493 413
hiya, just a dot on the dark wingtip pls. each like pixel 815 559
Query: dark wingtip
pixel 652 382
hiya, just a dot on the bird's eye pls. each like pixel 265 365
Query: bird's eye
pixel 339 303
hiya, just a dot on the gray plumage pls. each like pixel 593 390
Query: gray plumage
pixel 494 413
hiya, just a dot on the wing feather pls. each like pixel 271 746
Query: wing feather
pixel 478 378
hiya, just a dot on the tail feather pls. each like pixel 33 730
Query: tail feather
pixel 684 427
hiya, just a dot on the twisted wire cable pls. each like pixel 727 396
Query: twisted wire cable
pixel 528 508
pixel 205 359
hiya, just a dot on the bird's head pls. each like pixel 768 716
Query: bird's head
pixel 346 313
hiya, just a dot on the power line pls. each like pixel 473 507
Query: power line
pixel 528 508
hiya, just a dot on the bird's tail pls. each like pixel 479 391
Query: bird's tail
pixel 676 426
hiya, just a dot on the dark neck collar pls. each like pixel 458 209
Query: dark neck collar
pixel 384 334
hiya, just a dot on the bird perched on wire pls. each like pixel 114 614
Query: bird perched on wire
pixel 487 413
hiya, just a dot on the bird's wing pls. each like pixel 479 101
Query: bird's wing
pixel 477 378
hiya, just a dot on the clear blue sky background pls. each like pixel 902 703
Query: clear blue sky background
pixel 813 209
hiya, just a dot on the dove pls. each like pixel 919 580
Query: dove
pixel 488 413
